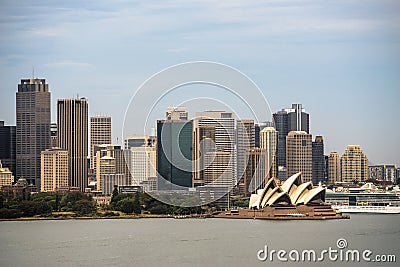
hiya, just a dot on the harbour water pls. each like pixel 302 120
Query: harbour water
pixel 189 242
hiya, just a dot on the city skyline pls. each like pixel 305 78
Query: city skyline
pixel 340 61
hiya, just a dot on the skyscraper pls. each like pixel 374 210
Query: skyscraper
pixel 256 172
pixel 223 138
pixel 72 135
pixel 287 120
pixel 318 160
pixel 354 165
pixel 333 167
pixel 7 147
pixel 299 154
pixel 53 135
pixel 54 169
pixel 174 153
pixel 244 142
pixel 100 133
pixel 33 127
pixel 269 141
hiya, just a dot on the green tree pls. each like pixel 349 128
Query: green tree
pixel 136 204
pixel 114 193
pixel 127 205
pixel 83 207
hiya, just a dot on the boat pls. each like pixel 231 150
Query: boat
pixel 364 202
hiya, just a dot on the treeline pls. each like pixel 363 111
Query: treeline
pixel 43 204
pixel 78 204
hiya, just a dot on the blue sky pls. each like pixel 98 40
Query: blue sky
pixel 340 59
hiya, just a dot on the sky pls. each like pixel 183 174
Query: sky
pixel 340 59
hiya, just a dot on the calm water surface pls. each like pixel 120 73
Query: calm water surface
pixel 188 242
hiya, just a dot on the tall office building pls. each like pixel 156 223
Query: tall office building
pixel 33 127
pixel 256 173
pixel 53 135
pixel 287 120
pixel 143 161
pixel 299 154
pixel 333 167
pixel 244 142
pixel 100 133
pixel 354 165
pixel 221 126
pixel 258 127
pixel 318 160
pixel 72 135
pixel 54 169
pixel 383 172
pixel 7 147
pixel 174 153
pixel 269 142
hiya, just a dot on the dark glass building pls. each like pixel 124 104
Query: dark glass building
pixel 174 154
pixel 287 120
pixel 7 146
pixel 318 160
pixel 33 128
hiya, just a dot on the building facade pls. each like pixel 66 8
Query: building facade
pixel 269 142
pixel 100 133
pixel 245 140
pixel 354 165
pixel 7 147
pixel 6 176
pixel 318 160
pixel 33 115
pixel 299 154
pixel 174 154
pixel 54 169
pixel 72 135
pixel 334 167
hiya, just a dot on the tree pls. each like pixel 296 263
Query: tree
pixel 136 204
pixel 127 205
pixel 83 207
pixel 114 193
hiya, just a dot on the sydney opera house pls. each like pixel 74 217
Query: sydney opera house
pixel 294 199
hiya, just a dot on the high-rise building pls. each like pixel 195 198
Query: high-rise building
pixel 333 167
pixel 136 141
pixel 285 121
pixel 244 142
pixel 221 126
pixel 72 135
pixel 299 154
pixel 269 141
pixel 174 153
pixel 53 135
pixel 33 127
pixel 7 147
pixel 354 165
pixel 256 170
pixel 259 126
pixel 318 160
pixel 143 163
pixel 100 133
pixel 54 169
pixel 6 176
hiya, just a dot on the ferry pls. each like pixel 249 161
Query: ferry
pixel 364 202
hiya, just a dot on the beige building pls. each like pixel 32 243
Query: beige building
pixel 354 164
pixel 333 167
pixel 299 154
pixel 105 165
pixel 6 177
pixel 72 135
pixel 54 169
pixel 143 164
pixel 218 169
pixel 269 141
pixel 100 133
